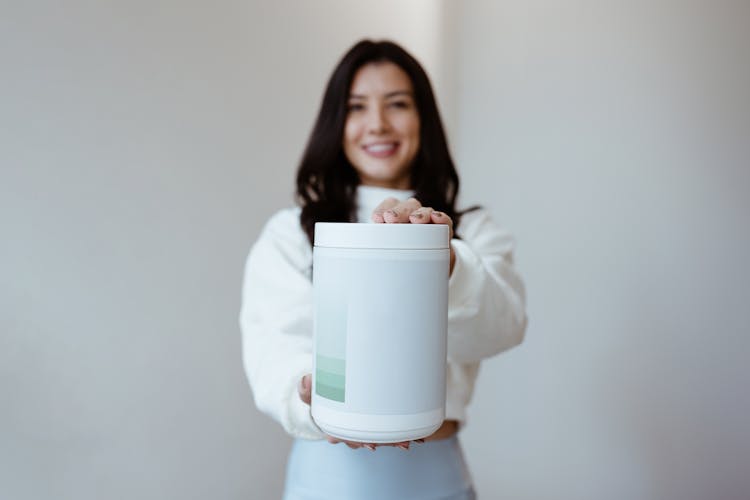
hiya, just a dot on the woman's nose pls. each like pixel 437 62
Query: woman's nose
pixel 378 122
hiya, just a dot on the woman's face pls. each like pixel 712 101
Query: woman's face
pixel 381 134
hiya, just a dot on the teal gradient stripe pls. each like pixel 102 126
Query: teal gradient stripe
pixel 328 392
pixel 330 377
pixel 330 365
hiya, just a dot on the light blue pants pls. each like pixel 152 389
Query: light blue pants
pixel 435 470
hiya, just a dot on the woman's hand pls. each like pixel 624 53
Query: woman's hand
pixel 448 428
pixel 411 211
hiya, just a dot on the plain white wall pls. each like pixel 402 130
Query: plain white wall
pixel 613 138
pixel 143 145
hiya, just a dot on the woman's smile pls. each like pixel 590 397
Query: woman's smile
pixel 381 149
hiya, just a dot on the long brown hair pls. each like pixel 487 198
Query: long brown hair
pixel 327 182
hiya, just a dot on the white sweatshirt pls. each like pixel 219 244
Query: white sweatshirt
pixel 486 310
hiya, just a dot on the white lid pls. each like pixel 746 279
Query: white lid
pixel 390 236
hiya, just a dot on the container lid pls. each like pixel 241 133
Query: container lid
pixel 387 236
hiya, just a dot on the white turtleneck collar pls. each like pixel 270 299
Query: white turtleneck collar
pixel 369 197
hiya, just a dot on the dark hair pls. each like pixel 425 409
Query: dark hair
pixel 327 182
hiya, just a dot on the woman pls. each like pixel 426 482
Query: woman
pixel 377 153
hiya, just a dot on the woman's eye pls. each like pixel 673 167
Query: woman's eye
pixel 400 104
pixel 353 106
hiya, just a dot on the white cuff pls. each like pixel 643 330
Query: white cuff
pixel 299 422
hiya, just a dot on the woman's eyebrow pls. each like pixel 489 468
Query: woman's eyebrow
pixel 388 95
pixel 398 93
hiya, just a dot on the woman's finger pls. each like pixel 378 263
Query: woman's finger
pixel 377 214
pixel 305 388
pixel 442 218
pixel 421 216
pixel 400 213
pixel 354 445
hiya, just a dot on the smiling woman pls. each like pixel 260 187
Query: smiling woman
pixel 377 153
pixel 381 136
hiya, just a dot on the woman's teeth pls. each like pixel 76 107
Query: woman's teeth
pixel 380 148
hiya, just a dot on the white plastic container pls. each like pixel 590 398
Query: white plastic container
pixel 380 330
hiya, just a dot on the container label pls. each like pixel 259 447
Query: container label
pixel 372 354
pixel 330 319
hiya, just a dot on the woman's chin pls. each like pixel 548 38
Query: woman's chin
pixel 387 178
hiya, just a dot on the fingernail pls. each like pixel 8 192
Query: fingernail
pixel 420 441
pixel 404 446
pixel 370 447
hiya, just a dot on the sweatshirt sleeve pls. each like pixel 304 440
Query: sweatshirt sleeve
pixel 276 323
pixel 486 304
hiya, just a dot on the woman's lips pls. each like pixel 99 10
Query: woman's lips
pixel 381 149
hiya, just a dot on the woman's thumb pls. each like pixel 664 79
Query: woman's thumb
pixel 304 389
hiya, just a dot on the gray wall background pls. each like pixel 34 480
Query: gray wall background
pixel 143 145
pixel 614 139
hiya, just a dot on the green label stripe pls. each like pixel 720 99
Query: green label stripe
pixel 328 392
pixel 330 378
pixel 331 365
